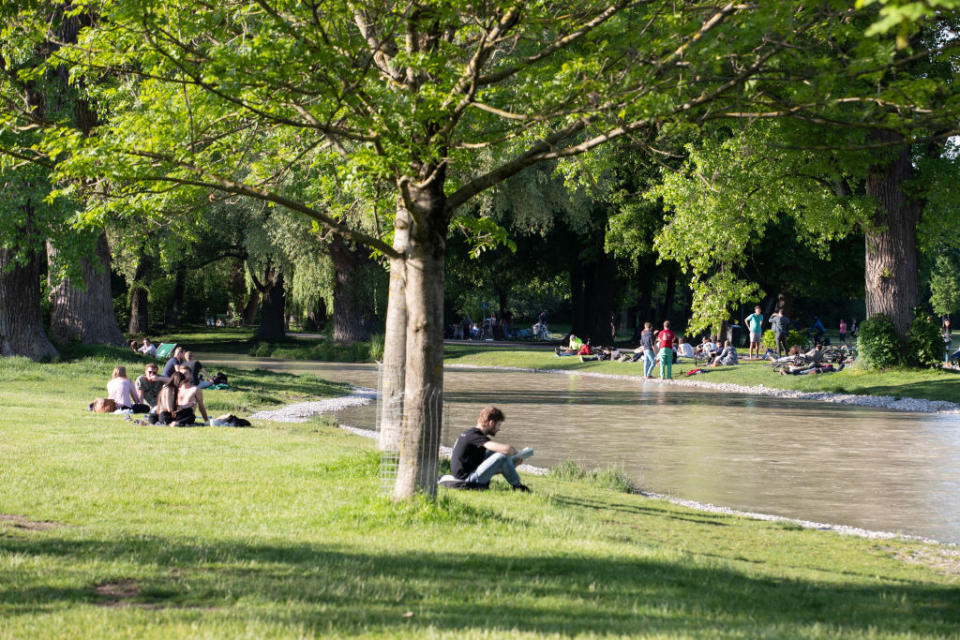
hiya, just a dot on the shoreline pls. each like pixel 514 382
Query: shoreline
pixel 903 404
pixel 303 411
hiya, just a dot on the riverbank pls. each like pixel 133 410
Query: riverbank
pixel 894 389
pixel 900 390
pixel 112 529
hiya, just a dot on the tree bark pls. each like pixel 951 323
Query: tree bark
pixel 21 319
pixel 423 367
pixel 273 308
pixel 666 305
pixel 249 314
pixel 423 376
pixel 179 294
pixel 140 298
pixel 892 280
pixel 393 368
pixel 354 315
pixel 86 314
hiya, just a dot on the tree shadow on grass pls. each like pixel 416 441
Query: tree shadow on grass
pixel 347 590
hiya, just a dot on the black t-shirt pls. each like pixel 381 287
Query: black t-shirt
pixel 170 367
pixel 468 453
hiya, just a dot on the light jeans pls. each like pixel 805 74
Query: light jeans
pixel 649 359
pixel 495 463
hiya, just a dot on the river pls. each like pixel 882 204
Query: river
pixel 867 468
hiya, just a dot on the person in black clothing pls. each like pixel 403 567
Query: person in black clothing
pixel 176 359
pixel 476 458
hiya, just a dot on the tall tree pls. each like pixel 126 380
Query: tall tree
pixel 442 100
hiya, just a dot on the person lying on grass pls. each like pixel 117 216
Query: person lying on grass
pixel 476 458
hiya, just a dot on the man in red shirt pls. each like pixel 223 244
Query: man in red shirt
pixel 665 340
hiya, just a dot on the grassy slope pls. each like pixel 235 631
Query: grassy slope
pixel 931 384
pixel 279 531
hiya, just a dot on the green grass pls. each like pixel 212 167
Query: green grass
pixel 930 384
pixel 117 530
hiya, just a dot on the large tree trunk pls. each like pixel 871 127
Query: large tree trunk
pixel 21 320
pixel 249 314
pixel 423 374
pixel 579 327
pixel 140 298
pixel 423 378
pixel 354 314
pixel 892 281
pixel 273 309
pixel 392 371
pixel 85 314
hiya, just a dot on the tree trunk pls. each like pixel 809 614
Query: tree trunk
pixel 85 314
pixel 249 314
pixel 354 314
pixel 392 371
pixel 423 375
pixel 273 309
pixel 316 317
pixel 179 293
pixel 577 299
pixel 892 281
pixel 139 298
pixel 21 319
pixel 666 305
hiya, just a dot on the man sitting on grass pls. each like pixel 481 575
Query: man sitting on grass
pixel 476 458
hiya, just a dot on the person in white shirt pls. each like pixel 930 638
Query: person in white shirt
pixel 684 349
pixel 148 348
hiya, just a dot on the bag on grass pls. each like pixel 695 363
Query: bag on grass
pixel 103 405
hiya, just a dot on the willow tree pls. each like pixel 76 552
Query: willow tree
pixel 438 99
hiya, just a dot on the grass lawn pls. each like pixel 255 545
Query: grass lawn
pixel 930 384
pixel 115 530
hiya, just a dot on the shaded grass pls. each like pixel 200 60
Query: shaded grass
pixel 929 384
pixel 281 531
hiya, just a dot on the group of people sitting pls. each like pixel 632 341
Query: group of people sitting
pixel 798 362
pixel 171 398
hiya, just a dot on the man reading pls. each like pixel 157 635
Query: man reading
pixel 476 458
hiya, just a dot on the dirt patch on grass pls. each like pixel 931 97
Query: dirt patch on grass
pixel 31 525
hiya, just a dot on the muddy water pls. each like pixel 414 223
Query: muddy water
pixel 828 463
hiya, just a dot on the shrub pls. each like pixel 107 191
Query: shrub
pixel 878 344
pixel 769 339
pixel 793 337
pixel 376 346
pixel 924 342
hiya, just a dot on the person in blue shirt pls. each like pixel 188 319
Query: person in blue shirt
pixel 754 323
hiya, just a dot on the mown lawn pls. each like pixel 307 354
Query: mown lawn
pixel 110 529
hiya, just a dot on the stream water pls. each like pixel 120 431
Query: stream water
pixel 880 470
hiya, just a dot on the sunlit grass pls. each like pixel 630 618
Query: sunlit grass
pixel 116 530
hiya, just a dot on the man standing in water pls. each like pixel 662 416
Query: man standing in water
pixel 476 458
pixel 665 341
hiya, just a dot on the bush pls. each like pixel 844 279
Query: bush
pixel 878 344
pixel 793 337
pixel 376 346
pixel 924 342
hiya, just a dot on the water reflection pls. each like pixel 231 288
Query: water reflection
pixel 829 463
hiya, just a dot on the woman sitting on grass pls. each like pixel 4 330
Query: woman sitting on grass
pixel 167 401
pixel 189 399
pixel 122 391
